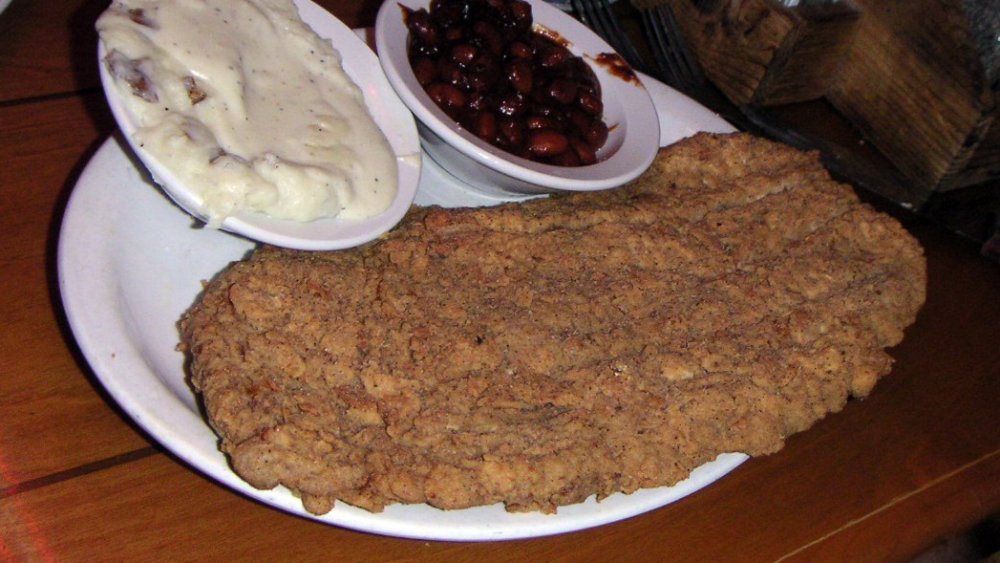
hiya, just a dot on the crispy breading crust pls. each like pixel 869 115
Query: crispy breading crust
pixel 539 353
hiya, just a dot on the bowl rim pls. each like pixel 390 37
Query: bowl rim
pixel 639 143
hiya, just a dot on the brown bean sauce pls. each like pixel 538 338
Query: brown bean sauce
pixel 616 66
pixel 484 63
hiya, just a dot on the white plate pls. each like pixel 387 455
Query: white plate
pixel 131 262
pixel 388 111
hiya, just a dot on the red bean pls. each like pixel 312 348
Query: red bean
pixel 540 122
pixel 590 103
pixel 480 102
pixel 512 131
pixel 583 150
pixel 546 142
pixel 580 119
pixel 420 25
pixel 446 95
pixel 513 105
pixel 425 70
pixel 562 90
pixel 486 126
pixel 520 76
pixel 568 158
pixel 554 56
pixel 521 11
pixel 446 14
pixel 449 71
pixel 481 81
pixel 597 134
pixel 520 50
pixel 490 36
pixel 548 110
pixel 463 53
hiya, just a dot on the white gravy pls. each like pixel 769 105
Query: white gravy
pixel 247 105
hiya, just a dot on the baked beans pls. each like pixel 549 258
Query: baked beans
pixel 483 64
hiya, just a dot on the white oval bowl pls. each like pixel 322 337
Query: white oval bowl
pixel 633 138
pixel 388 111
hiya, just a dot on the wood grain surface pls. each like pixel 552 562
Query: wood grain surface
pixel 916 462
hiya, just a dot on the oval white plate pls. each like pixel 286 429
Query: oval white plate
pixel 130 263
pixel 386 108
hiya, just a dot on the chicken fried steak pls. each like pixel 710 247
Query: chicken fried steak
pixel 539 353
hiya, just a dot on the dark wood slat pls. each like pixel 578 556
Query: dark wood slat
pixel 55 417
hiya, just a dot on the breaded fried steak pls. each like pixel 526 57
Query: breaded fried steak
pixel 538 353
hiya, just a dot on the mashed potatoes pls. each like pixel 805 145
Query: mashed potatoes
pixel 249 107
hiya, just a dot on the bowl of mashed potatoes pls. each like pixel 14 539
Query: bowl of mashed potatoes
pixel 516 96
pixel 267 118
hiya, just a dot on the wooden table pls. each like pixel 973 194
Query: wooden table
pixel 916 462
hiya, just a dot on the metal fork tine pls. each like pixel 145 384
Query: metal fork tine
pixel 582 15
pixel 585 10
pixel 625 47
pixel 677 65
pixel 685 58
pixel 666 44
pixel 657 45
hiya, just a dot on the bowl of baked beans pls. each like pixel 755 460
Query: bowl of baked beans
pixel 516 95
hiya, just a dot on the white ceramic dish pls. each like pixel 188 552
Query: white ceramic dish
pixel 325 234
pixel 130 263
pixel 628 111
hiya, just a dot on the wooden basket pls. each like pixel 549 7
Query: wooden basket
pixel 762 53
pixel 906 74
pixel 916 88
